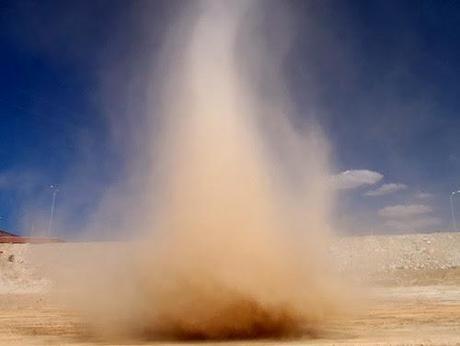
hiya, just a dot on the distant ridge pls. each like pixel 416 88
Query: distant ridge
pixel 6 234
pixel 7 237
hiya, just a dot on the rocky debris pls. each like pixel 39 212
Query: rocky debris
pixel 16 274
pixel 383 253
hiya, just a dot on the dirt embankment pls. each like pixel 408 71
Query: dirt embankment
pixel 386 259
pixel 411 259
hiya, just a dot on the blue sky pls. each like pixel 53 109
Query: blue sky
pixel 381 77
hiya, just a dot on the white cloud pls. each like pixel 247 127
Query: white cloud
pixel 386 189
pixel 417 224
pixel 404 211
pixel 351 179
pixel 423 195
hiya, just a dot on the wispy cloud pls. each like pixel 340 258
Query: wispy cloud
pixel 386 189
pixel 423 195
pixel 18 180
pixel 404 210
pixel 351 179
pixel 422 223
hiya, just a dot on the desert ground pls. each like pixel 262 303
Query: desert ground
pixel 411 285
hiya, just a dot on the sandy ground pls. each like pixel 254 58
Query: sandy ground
pixel 414 298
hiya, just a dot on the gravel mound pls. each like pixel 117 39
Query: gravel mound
pixel 386 253
pixel 394 259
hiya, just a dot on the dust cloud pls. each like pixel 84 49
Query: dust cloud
pixel 232 210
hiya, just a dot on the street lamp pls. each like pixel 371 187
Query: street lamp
pixel 452 209
pixel 53 206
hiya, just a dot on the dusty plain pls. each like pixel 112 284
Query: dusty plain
pixel 411 285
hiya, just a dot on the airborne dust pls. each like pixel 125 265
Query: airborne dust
pixel 235 208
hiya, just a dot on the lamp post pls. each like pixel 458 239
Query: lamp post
pixel 452 209
pixel 53 207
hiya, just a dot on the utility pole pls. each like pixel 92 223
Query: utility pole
pixel 452 209
pixel 53 207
